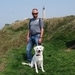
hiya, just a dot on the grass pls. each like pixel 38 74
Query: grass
pixel 57 61
pixel 59 37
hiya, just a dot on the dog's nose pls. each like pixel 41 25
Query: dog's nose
pixel 38 51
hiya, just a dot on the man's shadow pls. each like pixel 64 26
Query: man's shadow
pixel 71 44
pixel 24 56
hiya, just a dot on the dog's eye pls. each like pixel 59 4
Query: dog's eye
pixel 37 48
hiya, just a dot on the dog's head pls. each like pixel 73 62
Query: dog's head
pixel 38 50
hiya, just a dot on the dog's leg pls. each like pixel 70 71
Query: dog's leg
pixel 23 63
pixel 42 67
pixel 32 65
pixel 36 68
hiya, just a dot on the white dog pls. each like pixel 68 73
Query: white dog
pixel 37 60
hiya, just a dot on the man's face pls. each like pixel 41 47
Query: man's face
pixel 35 13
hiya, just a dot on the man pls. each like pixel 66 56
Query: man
pixel 35 33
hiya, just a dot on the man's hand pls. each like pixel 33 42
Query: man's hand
pixel 27 39
pixel 40 40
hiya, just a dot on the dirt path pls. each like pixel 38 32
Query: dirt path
pixel 69 49
pixel 72 47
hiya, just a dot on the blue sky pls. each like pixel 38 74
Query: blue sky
pixel 12 10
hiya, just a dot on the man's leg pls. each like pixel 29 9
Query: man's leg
pixel 28 50
pixel 37 39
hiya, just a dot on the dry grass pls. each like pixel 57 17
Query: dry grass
pixel 14 35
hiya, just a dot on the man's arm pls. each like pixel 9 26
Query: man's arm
pixel 41 35
pixel 28 35
pixel 42 32
pixel 41 27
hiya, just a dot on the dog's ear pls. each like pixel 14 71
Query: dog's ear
pixel 35 48
pixel 42 47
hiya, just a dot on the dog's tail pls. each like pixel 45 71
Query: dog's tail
pixel 23 63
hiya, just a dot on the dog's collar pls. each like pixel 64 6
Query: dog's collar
pixel 37 54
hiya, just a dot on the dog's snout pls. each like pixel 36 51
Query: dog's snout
pixel 38 51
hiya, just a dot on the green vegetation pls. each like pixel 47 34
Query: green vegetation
pixel 59 52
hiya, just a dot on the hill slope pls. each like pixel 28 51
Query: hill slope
pixel 56 28
pixel 59 34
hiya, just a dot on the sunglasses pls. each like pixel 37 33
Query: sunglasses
pixel 34 13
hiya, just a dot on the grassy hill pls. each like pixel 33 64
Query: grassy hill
pixel 58 40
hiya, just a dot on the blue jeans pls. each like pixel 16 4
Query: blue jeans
pixel 33 40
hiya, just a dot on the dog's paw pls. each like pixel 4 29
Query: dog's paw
pixel 43 70
pixel 36 71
